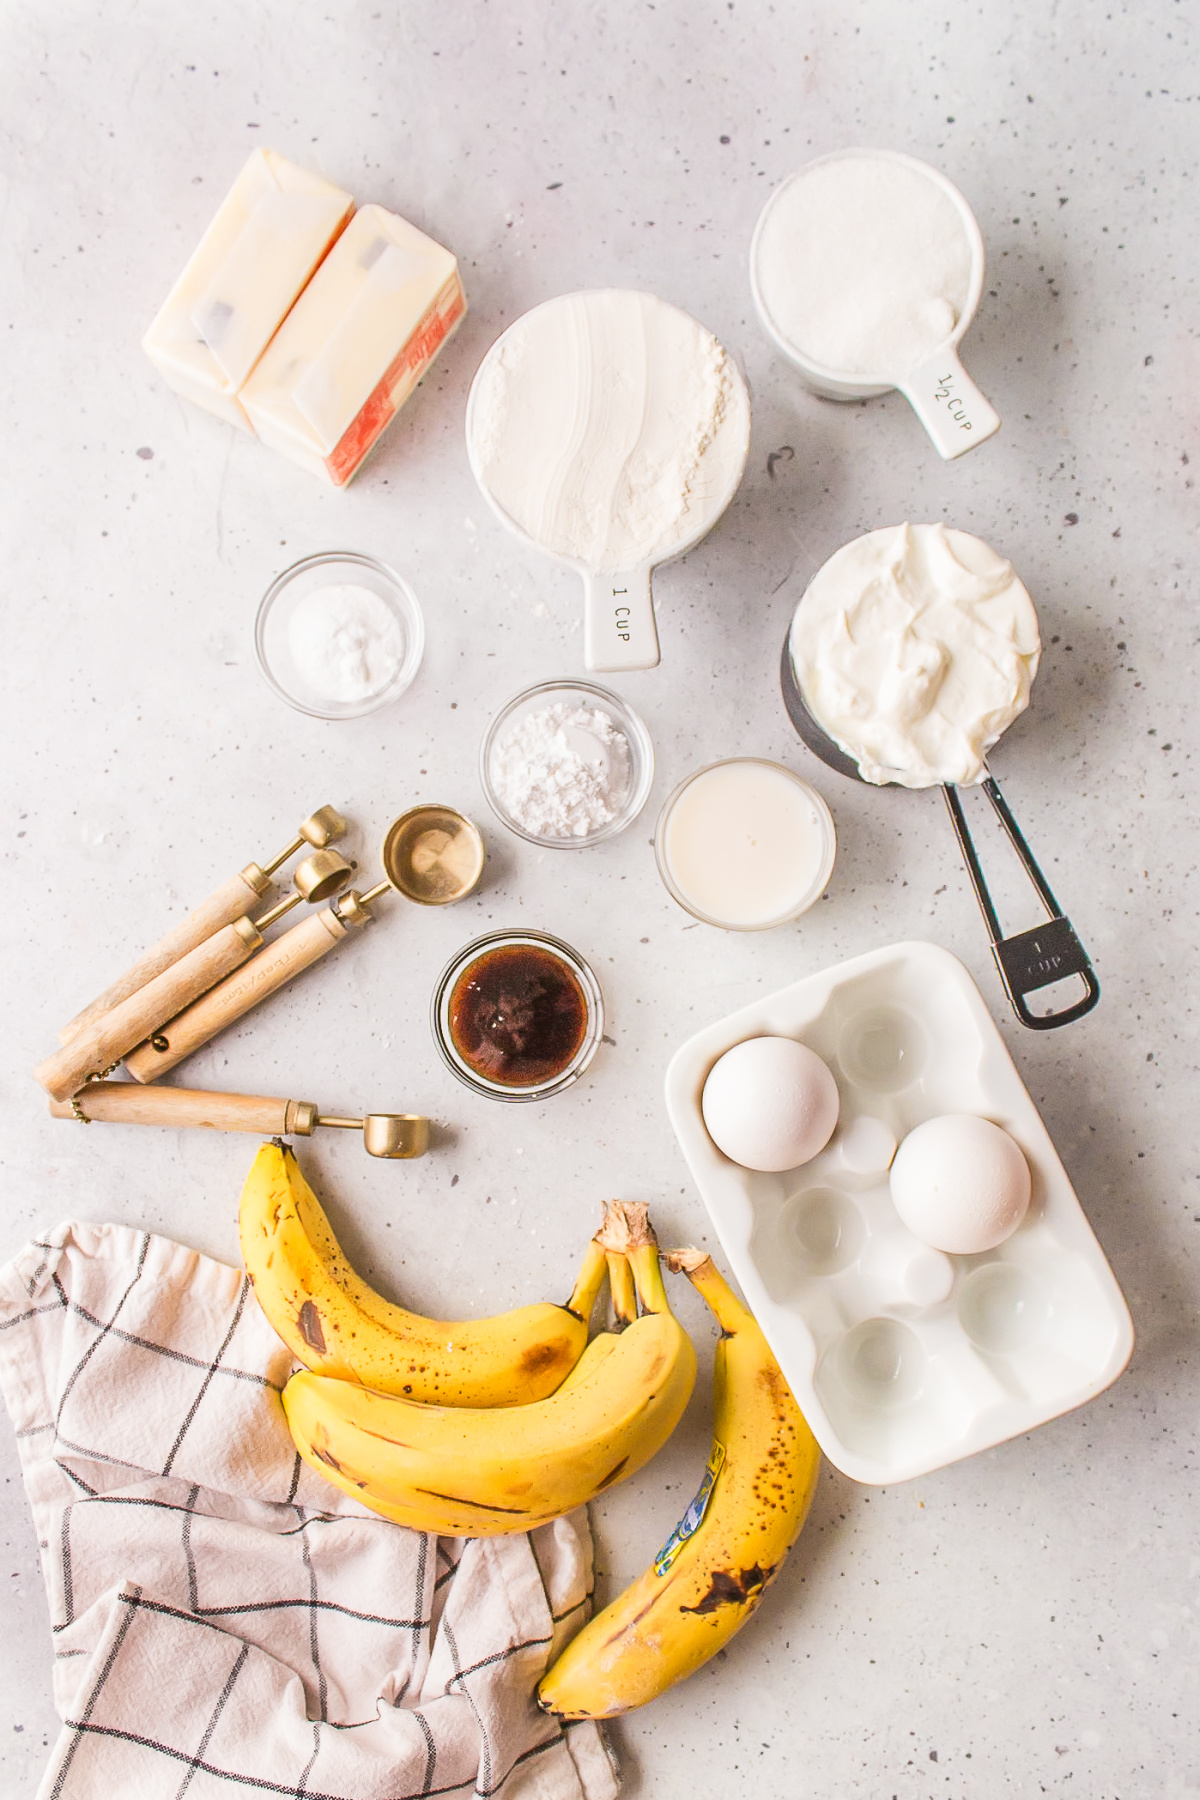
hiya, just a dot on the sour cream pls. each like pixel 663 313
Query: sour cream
pixel 914 648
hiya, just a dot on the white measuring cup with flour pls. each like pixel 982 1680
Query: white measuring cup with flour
pixel 866 268
pixel 610 430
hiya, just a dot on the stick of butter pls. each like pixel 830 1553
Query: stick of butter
pixel 355 344
pixel 271 230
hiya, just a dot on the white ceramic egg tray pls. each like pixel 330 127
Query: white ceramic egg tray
pixel 903 1359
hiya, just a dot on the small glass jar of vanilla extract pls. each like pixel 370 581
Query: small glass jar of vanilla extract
pixel 517 1015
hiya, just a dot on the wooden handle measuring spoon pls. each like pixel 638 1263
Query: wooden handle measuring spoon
pixel 101 1045
pixel 397 1137
pixel 229 902
pixel 431 854
pixel 181 1032
pixel 125 1103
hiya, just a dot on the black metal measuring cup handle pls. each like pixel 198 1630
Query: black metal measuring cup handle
pixel 1032 959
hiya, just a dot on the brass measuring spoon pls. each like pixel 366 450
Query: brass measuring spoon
pixel 229 902
pixel 432 855
pixel 397 1137
pixel 98 1047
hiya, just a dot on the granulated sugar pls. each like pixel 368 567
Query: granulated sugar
pixel 562 772
pixel 863 264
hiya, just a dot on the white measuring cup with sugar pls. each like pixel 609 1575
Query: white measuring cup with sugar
pixel 610 431
pixel 952 409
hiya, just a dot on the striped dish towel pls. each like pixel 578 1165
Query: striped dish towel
pixel 224 1622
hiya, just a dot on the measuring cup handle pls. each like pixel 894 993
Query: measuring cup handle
pixel 618 622
pixel 284 957
pixel 1032 959
pixel 230 901
pixel 949 405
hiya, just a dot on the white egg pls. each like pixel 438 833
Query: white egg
pixel 770 1104
pixel 960 1184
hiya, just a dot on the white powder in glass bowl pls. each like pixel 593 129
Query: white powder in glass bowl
pixel 346 643
pixel 562 772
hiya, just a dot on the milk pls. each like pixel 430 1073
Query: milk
pixel 745 844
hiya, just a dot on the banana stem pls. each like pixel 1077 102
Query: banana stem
pixel 626 1226
pixel 588 1282
pixel 627 1231
pixel 732 1315
pixel 648 1279
pixel 624 1293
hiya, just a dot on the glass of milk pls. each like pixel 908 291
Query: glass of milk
pixel 745 844
pixel 866 269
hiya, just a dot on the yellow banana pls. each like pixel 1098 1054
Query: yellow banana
pixel 333 1322
pixel 712 1571
pixel 481 1472
pixel 622 1290
pixel 486 1521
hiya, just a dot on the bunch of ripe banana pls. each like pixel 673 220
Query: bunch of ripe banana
pixel 463 1429
pixel 497 1425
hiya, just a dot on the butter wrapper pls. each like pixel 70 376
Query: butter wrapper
pixel 272 229
pixel 355 344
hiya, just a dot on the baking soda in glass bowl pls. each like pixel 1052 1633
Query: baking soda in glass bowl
pixel 339 635
pixel 346 643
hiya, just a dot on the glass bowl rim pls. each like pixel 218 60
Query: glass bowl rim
pixel 641 750
pixel 826 865
pixel 593 1029
pixel 401 598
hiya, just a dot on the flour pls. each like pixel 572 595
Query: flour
pixel 863 264
pixel 563 772
pixel 346 643
pixel 604 424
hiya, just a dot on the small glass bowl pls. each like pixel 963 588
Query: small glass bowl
pixel 536 699
pixel 333 568
pixel 822 870
pixel 440 1015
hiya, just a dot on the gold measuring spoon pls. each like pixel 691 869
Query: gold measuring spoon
pixel 431 854
pixel 229 902
pixel 394 1136
pixel 98 1047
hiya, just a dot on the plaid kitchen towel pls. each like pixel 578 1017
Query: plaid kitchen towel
pixel 224 1621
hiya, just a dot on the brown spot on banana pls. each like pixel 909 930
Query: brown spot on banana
pixel 540 1357
pixel 384 1437
pixel 728 1589
pixel 309 1321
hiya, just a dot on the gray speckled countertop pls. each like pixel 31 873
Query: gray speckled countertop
pixel 1025 1622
